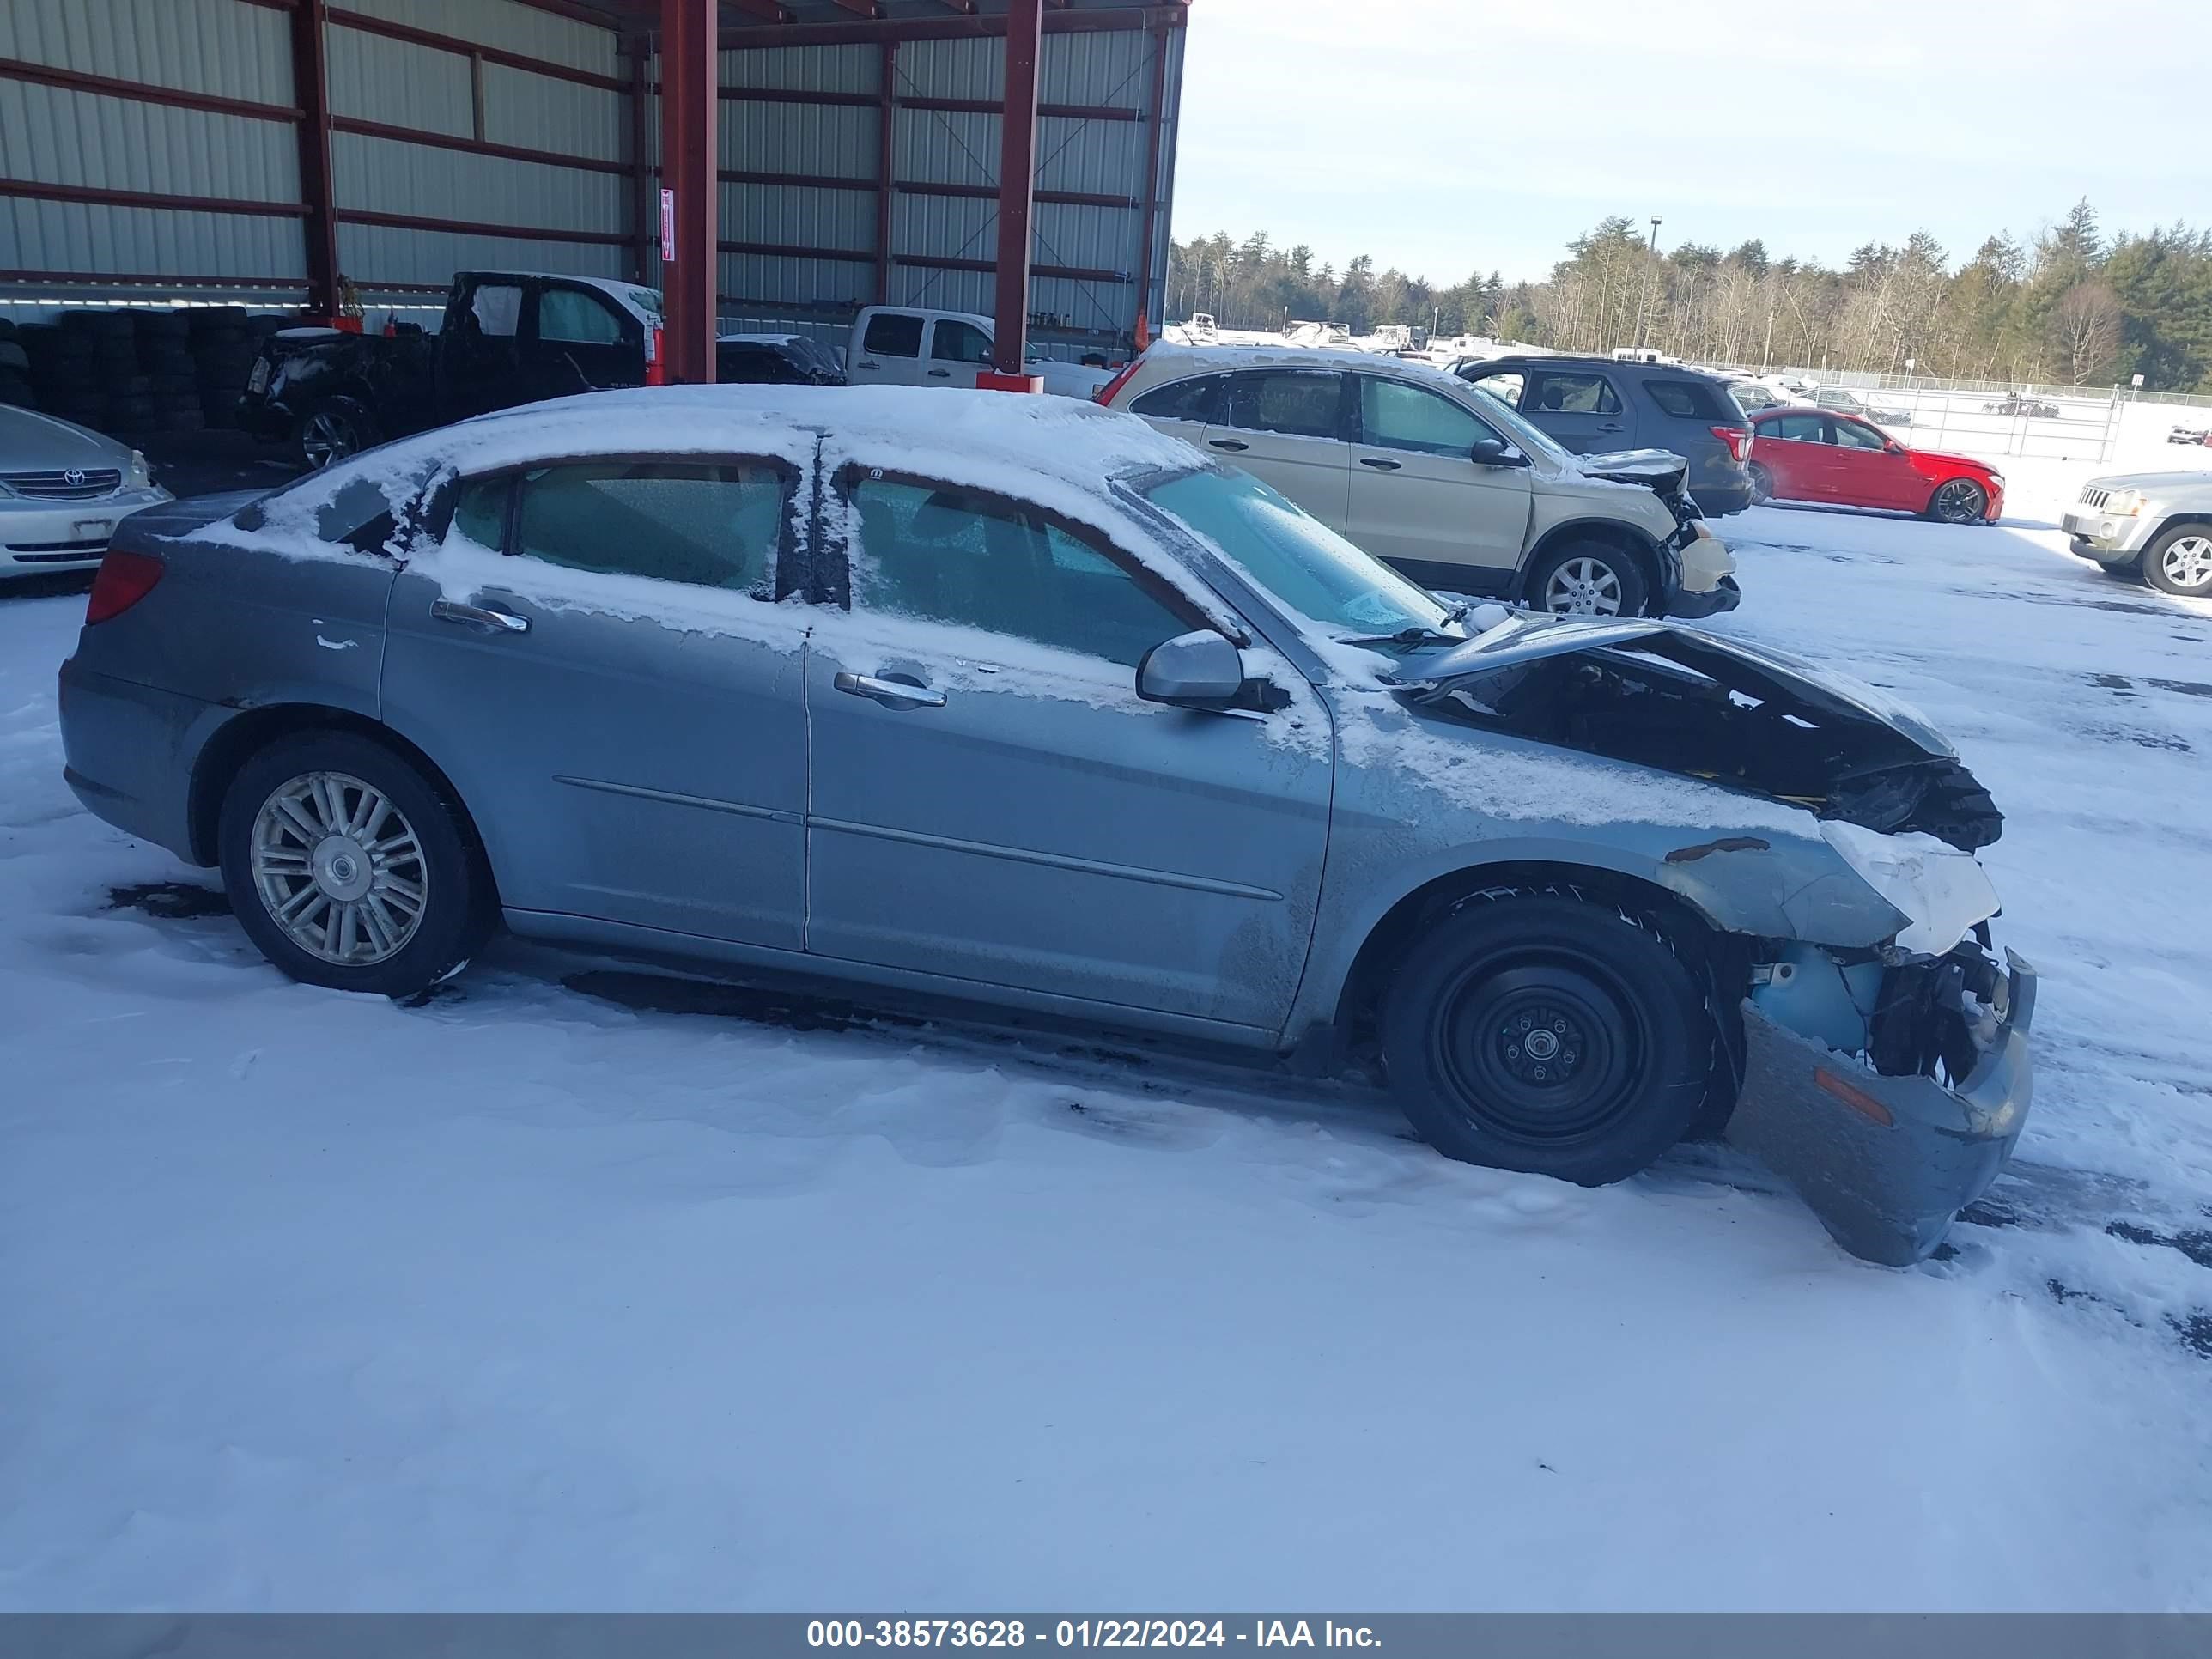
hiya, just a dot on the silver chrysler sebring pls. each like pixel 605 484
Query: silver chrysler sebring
pixel 1014 704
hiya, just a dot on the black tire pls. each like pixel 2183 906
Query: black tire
pixel 2178 562
pixel 1620 580
pixel 1762 485
pixel 332 430
pixel 457 910
pixel 1959 501
pixel 1593 984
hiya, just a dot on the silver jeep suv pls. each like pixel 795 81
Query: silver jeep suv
pixel 2155 525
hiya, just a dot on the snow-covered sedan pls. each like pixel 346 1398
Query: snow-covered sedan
pixel 1015 703
pixel 62 490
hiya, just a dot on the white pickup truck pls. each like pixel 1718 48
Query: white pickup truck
pixel 907 346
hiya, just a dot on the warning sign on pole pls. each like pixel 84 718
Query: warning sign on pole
pixel 668 227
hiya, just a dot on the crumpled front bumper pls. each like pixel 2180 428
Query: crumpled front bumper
pixel 1711 603
pixel 1886 1163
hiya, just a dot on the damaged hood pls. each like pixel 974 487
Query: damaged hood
pixel 1660 469
pixel 1661 694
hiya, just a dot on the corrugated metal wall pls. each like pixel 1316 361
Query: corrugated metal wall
pixel 492 133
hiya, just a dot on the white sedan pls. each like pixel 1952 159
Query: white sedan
pixel 62 490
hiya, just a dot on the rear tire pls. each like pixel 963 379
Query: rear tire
pixel 1589 579
pixel 332 430
pixel 1762 485
pixel 2180 561
pixel 351 869
pixel 1546 1033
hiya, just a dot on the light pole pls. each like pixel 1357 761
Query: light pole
pixel 1649 262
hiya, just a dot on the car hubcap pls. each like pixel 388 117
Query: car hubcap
pixel 2188 562
pixel 1585 587
pixel 1539 1050
pixel 1958 502
pixel 340 869
pixel 327 438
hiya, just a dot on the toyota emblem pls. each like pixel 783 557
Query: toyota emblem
pixel 74 477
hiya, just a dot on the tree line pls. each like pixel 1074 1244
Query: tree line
pixel 2068 305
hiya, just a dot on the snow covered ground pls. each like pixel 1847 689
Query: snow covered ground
pixel 577 1287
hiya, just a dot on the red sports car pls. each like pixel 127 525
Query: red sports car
pixel 1800 455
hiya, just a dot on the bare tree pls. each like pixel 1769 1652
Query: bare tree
pixel 2088 325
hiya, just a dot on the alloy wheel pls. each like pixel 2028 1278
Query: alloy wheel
pixel 327 436
pixel 338 867
pixel 1584 587
pixel 2187 562
pixel 1959 502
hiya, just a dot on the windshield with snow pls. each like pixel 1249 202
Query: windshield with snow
pixel 1302 562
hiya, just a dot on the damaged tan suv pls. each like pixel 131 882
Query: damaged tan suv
pixel 1437 479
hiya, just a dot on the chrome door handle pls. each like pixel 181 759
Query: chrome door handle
pixel 1379 464
pixel 940 373
pixel 479 616
pixel 888 691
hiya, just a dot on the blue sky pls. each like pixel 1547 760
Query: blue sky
pixel 1447 135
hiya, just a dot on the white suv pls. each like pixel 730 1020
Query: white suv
pixel 1440 480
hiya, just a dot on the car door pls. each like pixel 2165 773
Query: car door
pixel 1022 820
pixel 958 350
pixel 1287 428
pixel 593 655
pixel 1793 448
pixel 1579 407
pixel 1418 500
pixel 1867 472
pixel 579 341
pixel 480 349
pixel 890 350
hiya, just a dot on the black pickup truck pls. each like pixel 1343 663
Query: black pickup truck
pixel 509 337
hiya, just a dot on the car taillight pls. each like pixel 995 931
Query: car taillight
pixel 656 373
pixel 1737 440
pixel 1105 393
pixel 124 579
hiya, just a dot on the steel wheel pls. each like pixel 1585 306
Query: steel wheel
pixel 340 869
pixel 1584 586
pixel 1549 1049
pixel 1959 502
pixel 327 435
pixel 2185 564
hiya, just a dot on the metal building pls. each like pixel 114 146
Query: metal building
pixel 290 153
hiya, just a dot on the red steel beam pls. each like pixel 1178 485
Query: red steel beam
pixel 96 196
pixel 1151 202
pixel 690 120
pixel 887 163
pixel 48 74
pixel 311 92
pixel 549 158
pixel 367 23
pixel 1017 184
pixel 982 25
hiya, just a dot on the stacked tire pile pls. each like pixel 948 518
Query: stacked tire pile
pixel 135 372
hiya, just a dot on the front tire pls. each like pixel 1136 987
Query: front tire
pixel 348 868
pixel 332 430
pixel 2180 561
pixel 1762 485
pixel 1588 579
pixel 1959 502
pixel 1545 1033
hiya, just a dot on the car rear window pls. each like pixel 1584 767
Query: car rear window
pixel 1694 400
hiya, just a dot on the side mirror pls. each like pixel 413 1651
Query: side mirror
pixel 1200 669
pixel 1494 452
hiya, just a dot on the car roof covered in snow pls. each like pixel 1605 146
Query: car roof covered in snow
pixel 1182 360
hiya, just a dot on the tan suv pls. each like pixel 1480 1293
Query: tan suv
pixel 1440 480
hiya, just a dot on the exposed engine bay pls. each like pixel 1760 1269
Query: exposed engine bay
pixel 1665 696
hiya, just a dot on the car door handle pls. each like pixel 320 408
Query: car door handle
pixel 479 616
pixel 870 362
pixel 888 691
pixel 1610 426
pixel 1379 464
pixel 1227 443
pixel 940 373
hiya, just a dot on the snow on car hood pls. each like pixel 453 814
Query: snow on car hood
pixel 1643 466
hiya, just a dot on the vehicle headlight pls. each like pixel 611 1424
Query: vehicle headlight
pixel 140 476
pixel 1942 890
pixel 2126 503
pixel 1997 479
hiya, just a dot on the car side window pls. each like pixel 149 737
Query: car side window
pixel 1556 392
pixel 707 526
pixel 892 334
pixel 1687 400
pixel 1506 388
pixel 1305 403
pixel 497 308
pixel 955 342
pixel 480 511
pixel 939 554
pixel 1797 429
pixel 1395 416
pixel 1198 401
pixel 578 317
pixel 1850 434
